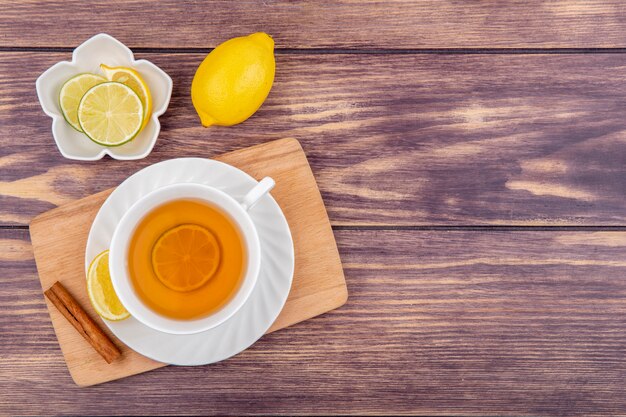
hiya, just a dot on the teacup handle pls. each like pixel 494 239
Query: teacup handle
pixel 254 195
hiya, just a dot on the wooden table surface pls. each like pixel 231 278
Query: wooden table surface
pixel 472 157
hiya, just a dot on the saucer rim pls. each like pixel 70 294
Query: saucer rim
pixel 286 242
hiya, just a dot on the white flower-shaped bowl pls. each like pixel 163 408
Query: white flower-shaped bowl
pixel 102 49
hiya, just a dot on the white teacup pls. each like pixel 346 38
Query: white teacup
pixel 238 211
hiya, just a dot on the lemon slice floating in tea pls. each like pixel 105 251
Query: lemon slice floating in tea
pixel 133 79
pixel 110 114
pixel 185 257
pixel 101 292
pixel 71 93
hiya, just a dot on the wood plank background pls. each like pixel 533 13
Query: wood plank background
pixel 454 322
pixel 313 24
pixel 472 157
pixel 476 139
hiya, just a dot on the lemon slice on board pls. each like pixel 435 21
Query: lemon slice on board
pixel 101 292
pixel 133 79
pixel 110 114
pixel 71 93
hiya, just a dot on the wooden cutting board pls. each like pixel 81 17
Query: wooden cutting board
pixel 59 237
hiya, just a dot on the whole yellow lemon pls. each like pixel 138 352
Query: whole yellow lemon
pixel 234 80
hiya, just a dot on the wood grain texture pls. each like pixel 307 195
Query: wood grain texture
pixel 475 323
pixel 311 24
pixel 392 139
pixel 478 322
pixel 59 239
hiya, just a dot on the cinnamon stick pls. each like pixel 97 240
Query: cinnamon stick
pixel 78 318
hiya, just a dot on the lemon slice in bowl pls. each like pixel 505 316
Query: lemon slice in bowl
pixel 101 292
pixel 133 79
pixel 110 114
pixel 71 93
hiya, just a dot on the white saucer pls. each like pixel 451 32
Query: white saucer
pixel 269 295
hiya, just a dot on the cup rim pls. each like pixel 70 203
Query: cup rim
pixel 118 257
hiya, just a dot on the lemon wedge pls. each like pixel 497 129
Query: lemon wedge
pixel 110 114
pixel 101 292
pixel 71 93
pixel 133 79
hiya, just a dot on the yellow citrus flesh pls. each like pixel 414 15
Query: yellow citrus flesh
pixel 101 292
pixel 71 93
pixel 135 81
pixel 185 257
pixel 234 80
pixel 110 114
